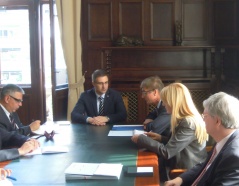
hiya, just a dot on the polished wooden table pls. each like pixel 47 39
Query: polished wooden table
pixel 89 144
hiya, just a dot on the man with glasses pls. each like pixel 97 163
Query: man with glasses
pixel 158 120
pixel 11 99
pixel 222 164
pixel 101 104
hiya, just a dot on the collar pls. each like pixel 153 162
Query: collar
pixel 221 143
pixel 97 95
pixel 5 110
pixel 159 104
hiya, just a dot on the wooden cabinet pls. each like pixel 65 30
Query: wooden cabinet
pixel 128 66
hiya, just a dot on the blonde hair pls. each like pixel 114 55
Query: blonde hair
pixel 178 97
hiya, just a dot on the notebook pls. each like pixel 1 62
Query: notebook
pixel 93 171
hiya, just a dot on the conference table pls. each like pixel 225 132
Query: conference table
pixel 86 144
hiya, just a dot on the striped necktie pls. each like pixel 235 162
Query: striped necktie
pixel 101 106
pixel 12 121
pixel 206 167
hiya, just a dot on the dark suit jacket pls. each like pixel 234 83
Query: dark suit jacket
pixel 7 140
pixel 224 170
pixel 7 125
pixel 87 107
pixel 161 123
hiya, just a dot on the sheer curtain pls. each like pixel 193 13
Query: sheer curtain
pixel 69 15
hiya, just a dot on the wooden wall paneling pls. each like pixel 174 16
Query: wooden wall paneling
pixel 131 18
pixel 195 21
pixel 100 21
pixel 162 20
pixel 60 110
pixel 231 64
pixel 25 112
pixel 137 63
pixel 225 15
pixel 97 31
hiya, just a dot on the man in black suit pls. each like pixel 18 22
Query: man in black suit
pixel 21 145
pixel 88 108
pixel 158 120
pixel 222 165
pixel 11 100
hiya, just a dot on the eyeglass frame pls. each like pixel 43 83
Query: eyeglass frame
pixel 204 115
pixel 145 92
pixel 17 100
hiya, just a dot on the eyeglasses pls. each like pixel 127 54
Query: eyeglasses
pixel 204 115
pixel 17 100
pixel 102 83
pixel 144 92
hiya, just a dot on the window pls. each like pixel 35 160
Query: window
pixel 14 46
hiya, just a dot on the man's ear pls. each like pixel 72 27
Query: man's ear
pixel 218 121
pixel 6 99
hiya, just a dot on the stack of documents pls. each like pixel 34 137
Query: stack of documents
pixel 93 171
pixel 126 130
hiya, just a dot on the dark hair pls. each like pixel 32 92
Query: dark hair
pixel 10 89
pixel 98 73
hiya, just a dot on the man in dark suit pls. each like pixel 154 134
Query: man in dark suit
pixel 11 100
pixel 21 145
pixel 158 120
pixel 222 165
pixel 89 108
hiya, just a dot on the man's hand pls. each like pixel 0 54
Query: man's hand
pixel 4 173
pixel 28 146
pixel 175 182
pixel 147 121
pixel 98 120
pixel 135 137
pixel 35 125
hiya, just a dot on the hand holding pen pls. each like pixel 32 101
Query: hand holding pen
pixel 5 173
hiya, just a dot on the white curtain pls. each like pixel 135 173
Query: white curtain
pixel 69 15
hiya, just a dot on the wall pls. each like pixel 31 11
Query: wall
pixel 203 62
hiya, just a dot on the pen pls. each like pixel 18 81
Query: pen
pixel 12 178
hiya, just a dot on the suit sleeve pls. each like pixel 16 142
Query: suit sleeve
pixel 8 140
pixel 224 170
pixel 182 137
pixel 24 130
pixel 78 114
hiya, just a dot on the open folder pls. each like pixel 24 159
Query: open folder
pixel 93 171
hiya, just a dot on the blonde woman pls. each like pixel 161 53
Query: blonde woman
pixel 186 146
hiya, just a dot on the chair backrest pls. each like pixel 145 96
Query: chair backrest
pixel 126 103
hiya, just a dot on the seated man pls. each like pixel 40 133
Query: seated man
pixel 11 100
pixel 99 105
pixel 222 165
pixel 21 145
pixel 158 120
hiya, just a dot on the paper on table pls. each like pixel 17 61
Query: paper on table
pixel 138 132
pixel 120 133
pixel 47 128
pixel 106 169
pixel 93 171
pixel 5 182
pixel 48 150
pixel 125 132
pixel 128 127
